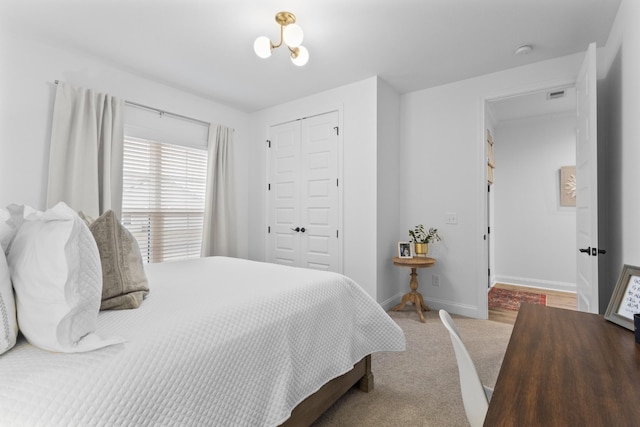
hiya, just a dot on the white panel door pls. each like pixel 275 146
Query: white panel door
pixel 284 194
pixel 319 192
pixel 303 201
pixel 587 185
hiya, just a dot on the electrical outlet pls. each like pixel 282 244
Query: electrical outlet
pixel 435 280
pixel 452 218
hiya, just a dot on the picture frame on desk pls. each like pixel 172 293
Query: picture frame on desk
pixel 625 300
pixel 404 250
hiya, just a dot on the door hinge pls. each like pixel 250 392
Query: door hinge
pixel 337 182
pixel 268 187
pixel 336 234
pixel 269 229
pixel 337 129
pixel 269 143
pixel 488 230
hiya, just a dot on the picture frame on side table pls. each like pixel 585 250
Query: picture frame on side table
pixel 625 300
pixel 404 250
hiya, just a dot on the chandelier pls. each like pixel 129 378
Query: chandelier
pixel 290 34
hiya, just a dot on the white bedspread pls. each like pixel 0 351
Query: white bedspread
pixel 218 342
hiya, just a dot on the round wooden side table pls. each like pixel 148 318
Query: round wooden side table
pixel 414 296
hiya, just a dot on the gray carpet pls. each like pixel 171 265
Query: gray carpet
pixel 420 386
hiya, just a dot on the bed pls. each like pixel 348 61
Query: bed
pixel 218 341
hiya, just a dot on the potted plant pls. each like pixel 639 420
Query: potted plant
pixel 422 238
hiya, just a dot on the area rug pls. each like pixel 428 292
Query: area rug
pixel 507 299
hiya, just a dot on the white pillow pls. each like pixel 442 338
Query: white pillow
pixel 8 322
pixel 10 221
pixel 6 230
pixel 57 277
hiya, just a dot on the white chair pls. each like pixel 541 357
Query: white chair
pixel 475 395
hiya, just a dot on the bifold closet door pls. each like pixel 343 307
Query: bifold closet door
pixel 303 193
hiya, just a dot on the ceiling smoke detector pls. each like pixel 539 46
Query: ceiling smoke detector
pixel 524 49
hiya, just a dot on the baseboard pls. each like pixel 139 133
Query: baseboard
pixel 536 283
pixel 389 303
pixel 454 307
pixel 436 304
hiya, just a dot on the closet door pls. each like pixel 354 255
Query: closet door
pixel 319 192
pixel 303 201
pixel 283 243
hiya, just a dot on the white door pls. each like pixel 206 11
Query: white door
pixel 319 192
pixel 587 185
pixel 284 194
pixel 303 210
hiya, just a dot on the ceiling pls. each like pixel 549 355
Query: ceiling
pixel 206 46
pixel 534 104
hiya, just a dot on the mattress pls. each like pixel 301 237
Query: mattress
pixel 218 341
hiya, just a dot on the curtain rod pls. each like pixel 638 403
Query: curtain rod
pixel 161 112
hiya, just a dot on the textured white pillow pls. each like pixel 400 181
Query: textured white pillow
pixel 55 269
pixel 8 322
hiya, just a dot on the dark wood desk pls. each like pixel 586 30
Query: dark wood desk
pixel 567 368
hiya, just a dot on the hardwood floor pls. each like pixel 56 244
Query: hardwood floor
pixel 554 299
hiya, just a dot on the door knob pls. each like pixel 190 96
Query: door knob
pixel 593 251
pixel 302 229
pixel 297 229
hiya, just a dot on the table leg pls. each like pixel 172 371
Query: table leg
pixel 414 297
pixel 422 304
pixel 405 299
pixel 413 284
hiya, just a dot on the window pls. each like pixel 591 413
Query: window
pixel 163 198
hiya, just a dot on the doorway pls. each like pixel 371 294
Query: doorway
pixel 532 235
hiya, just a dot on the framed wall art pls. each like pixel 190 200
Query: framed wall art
pixel 625 300
pixel 568 186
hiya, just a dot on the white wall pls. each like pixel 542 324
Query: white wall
pixel 29 68
pixel 393 282
pixel 619 173
pixel 443 147
pixel 534 236
pixel 357 104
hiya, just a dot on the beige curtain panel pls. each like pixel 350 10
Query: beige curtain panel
pixel 219 228
pixel 85 161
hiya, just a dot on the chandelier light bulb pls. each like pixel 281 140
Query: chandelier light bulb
pixel 302 57
pixel 262 47
pixel 293 35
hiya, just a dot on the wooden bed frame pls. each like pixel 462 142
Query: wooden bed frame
pixel 315 405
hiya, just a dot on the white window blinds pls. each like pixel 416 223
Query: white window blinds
pixel 163 198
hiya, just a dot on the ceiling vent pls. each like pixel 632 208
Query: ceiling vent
pixel 555 94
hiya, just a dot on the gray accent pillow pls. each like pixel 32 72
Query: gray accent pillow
pixel 124 282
